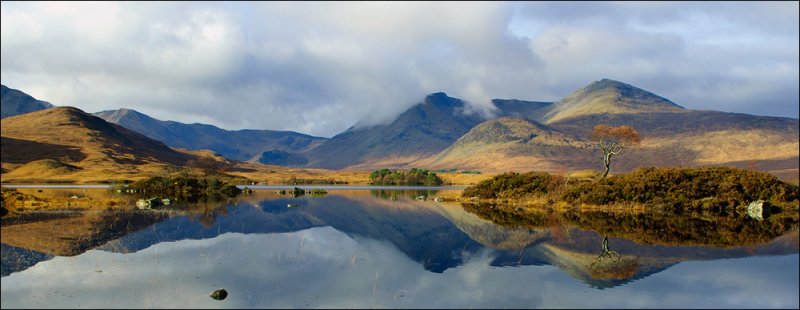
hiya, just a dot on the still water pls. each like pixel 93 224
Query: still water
pixel 385 249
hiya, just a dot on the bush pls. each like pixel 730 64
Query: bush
pixel 515 185
pixel 715 187
pixel 185 187
pixel 411 177
pixel 687 188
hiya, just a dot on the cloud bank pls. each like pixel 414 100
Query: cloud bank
pixel 319 68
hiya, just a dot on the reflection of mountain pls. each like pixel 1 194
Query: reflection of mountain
pixel 411 227
pixel 16 259
pixel 40 236
pixel 436 235
pixel 577 250
pixel 603 272
pixel 489 234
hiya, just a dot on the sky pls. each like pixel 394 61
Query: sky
pixel 319 68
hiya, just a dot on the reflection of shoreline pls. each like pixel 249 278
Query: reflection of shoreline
pixel 656 228
pixel 559 242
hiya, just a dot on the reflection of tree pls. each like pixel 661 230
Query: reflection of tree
pixel 607 254
pixel 207 213
pixel 611 265
pixel 208 218
pixel 393 194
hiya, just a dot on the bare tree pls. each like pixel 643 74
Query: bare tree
pixel 612 140
pixel 209 165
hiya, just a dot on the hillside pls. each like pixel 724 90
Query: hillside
pixel 65 143
pixel 608 96
pixel 14 102
pixel 507 143
pixel 423 130
pixel 232 144
pixel 695 138
pixel 280 158
pixel 532 110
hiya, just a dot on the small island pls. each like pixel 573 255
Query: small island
pixel 718 188
pixel 159 191
pixel 422 177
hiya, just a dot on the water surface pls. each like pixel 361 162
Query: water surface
pixel 384 248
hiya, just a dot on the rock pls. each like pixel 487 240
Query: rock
pixel 755 210
pixel 247 191
pixel 149 203
pixel 142 204
pixel 219 294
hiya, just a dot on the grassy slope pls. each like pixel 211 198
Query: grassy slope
pixel 79 147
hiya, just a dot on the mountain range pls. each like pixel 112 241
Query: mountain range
pixel 238 145
pixel 440 132
pixel 15 102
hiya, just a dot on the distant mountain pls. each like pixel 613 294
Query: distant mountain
pixel 607 96
pixel 555 136
pixel 65 143
pixel 14 102
pixel 672 136
pixel 239 145
pixel 423 130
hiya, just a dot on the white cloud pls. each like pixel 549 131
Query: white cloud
pixel 319 68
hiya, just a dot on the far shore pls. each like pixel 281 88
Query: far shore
pixel 261 187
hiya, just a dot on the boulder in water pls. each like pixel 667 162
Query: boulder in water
pixel 219 294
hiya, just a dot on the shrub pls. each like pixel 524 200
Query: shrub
pixel 687 188
pixel 411 177
pixel 185 187
pixel 708 187
pixel 515 185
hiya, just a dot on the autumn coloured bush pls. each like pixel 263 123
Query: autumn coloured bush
pixel 410 177
pixel 686 187
pixel 515 185
pixel 707 187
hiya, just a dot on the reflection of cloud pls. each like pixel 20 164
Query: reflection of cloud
pixel 322 267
